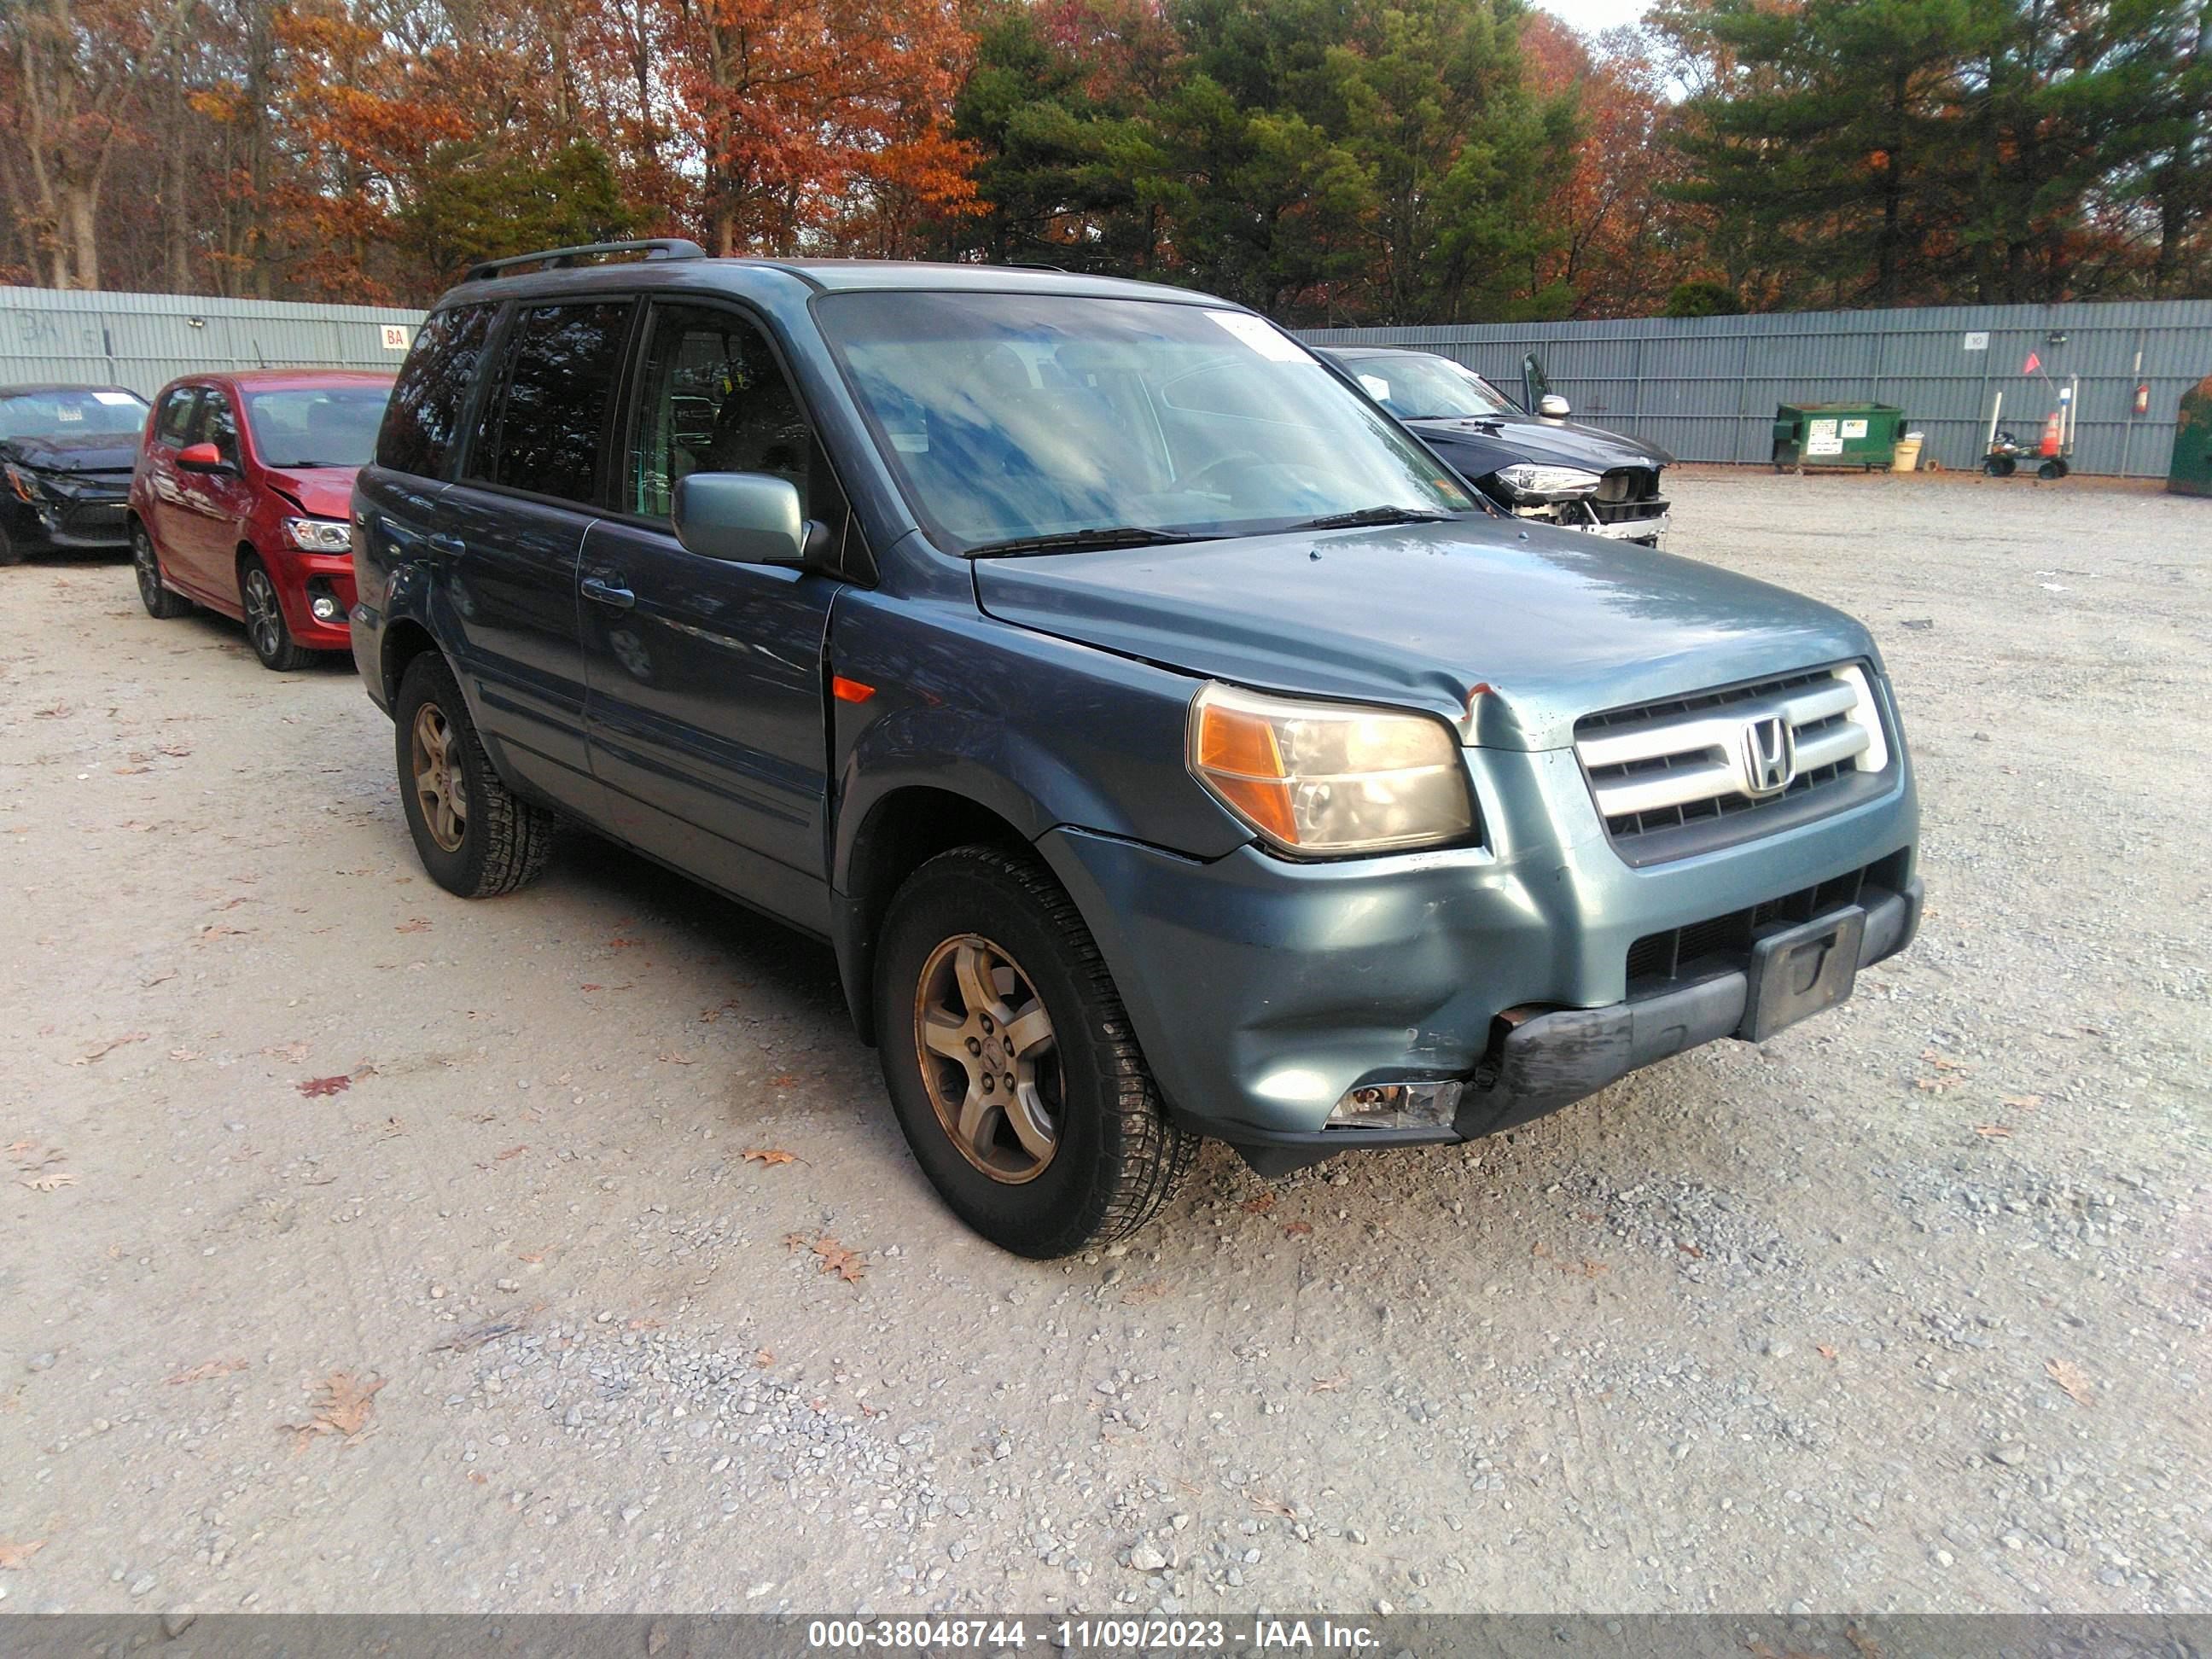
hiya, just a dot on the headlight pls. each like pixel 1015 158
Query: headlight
pixel 1325 777
pixel 25 484
pixel 319 534
pixel 1548 483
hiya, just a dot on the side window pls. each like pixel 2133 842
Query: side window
pixel 543 433
pixel 422 421
pixel 713 399
pixel 219 425
pixel 176 416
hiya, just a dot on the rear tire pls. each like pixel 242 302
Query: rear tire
pixel 266 630
pixel 476 837
pixel 2000 466
pixel 162 604
pixel 1093 1156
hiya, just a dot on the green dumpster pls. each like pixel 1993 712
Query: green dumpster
pixel 1836 434
pixel 2192 471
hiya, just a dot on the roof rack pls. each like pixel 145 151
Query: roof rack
pixel 657 247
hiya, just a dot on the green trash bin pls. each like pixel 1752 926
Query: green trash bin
pixel 2192 471
pixel 1836 434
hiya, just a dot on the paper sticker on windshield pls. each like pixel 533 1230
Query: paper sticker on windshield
pixel 68 412
pixel 1378 388
pixel 1262 338
pixel 115 399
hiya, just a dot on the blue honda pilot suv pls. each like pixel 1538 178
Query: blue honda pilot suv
pixel 1166 742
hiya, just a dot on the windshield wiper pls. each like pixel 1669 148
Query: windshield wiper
pixel 1367 515
pixel 1073 541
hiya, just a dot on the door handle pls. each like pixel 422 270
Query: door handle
pixel 606 589
pixel 446 541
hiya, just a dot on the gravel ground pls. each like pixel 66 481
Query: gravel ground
pixel 367 1250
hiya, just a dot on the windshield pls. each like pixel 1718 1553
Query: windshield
pixel 329 425
pixel 72 415
pixel 1008 417
pixel 1425 388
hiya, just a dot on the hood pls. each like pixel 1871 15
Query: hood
pixel 104 452
pixel 326 492
pixel 1478 446
pixel 1556 624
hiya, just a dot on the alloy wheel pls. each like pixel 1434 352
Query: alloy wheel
pixel 988 1058
pixel 264 618
pixel 147 566
pixel 439 786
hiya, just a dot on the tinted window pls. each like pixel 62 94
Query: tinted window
pixel 177 414
pixel 218 425
pixel 713 399
pixel 544 433
pixel 421 422
pixel 333 426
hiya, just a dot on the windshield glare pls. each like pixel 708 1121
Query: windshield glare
pixel 329 425
pixel 1426 388
pixel 1006 417
pixel 72 415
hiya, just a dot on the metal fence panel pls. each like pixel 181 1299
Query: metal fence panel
pixel 144 340
pixel 1706 387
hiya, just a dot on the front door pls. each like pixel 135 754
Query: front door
pixel 512 529
pixel 707 678
pixel 212 508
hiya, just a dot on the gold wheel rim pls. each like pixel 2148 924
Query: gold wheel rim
pixel 988 1058
pixel 440 789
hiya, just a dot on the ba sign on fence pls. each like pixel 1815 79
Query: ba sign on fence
pixel 397 337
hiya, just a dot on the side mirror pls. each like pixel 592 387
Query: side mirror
pixel 201 458
pixel 1553 407
pixel 744 518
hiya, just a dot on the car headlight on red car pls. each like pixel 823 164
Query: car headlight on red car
pixel 319 534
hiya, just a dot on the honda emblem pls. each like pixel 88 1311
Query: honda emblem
pixel 1769 755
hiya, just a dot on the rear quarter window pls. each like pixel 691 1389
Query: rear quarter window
pixel 422 424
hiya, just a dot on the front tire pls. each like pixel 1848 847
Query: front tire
pixel 266 630
pixel 1011 1063
pixel 162 604
pixel 9 553
pixel 476 837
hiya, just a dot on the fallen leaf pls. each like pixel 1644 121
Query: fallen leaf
pixel 675 1060
pixel 1866 1646
pixel 622 944
pixel 15 1146
pixel 1932 1085
pixel 315 1086
pixel 220 930
pixel 511 1152
pixel 158 979
pixel 109 1047
pixel 835 1257
pixel 294 1051
pixel 781 1080
pixel 14 1556
pixel 1824 1351
pixel 1591 1269
pixel 1260 1206
pixel 413 925
pixel 1273 1506
pixel 342 1411
pixel 1150 1289
pixel 1540 1248
pixel 176 751
pixel 1327 1384
pixel 770 1155
pixel 532 1256
pixel 2070 1376
pixel 656 1637
pixel 1993 1131
pixel 764 1358
pixel 1944 1062
pixel 2022 1102
pixel 54 711
pixel 1297 1229
pixel 206 1369
pixel 52 1181
pixel 185 1054
pixel 1691 1251
pixel 591 988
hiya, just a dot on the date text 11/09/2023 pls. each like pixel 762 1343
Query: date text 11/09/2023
pixel 994 1636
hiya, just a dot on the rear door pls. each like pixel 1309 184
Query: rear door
pixel 707 678
pixel 170 431
pixel 511 530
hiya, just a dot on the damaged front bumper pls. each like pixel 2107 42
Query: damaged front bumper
pixel 1264 992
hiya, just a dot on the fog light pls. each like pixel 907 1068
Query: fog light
pixel 1398 1106
pixel 325 607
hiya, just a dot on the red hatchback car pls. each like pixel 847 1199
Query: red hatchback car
pixel 240 497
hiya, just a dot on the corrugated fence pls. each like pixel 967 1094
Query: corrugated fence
pixel 1706 387
pixel 144 340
